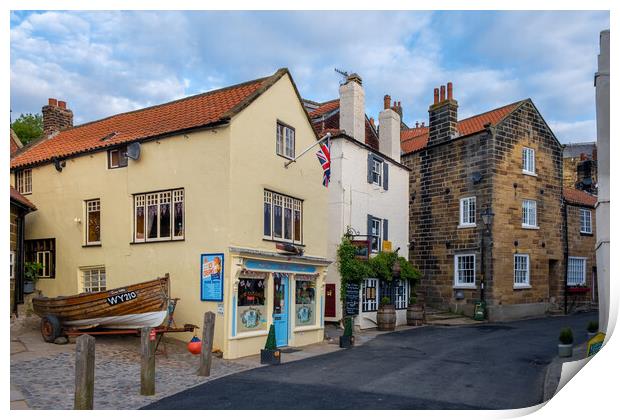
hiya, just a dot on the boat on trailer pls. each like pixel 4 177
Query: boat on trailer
pixel 130 307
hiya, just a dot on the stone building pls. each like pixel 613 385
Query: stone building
pixel 580 166
pixel 506 163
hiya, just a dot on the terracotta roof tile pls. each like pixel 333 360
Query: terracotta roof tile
pixel 578 197
pixel 415 139
pixel 16 196
pixel 187 113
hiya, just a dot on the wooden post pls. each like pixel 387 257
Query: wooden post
pixel 84 373
pixel 147 368
pixel 207 344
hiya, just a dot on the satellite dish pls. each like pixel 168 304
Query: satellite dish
pixel 133 151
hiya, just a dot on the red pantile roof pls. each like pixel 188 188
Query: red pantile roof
pixel 206 109
pixel 16 144
pixel 332 122
pixel 414 139
pixel 16 196
pixel 578 197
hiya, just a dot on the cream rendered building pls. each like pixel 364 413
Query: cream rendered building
pixel 210 179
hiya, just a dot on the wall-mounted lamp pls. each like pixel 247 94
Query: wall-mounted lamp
pixel 77 220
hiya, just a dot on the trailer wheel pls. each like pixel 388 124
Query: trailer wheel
pixel 50 328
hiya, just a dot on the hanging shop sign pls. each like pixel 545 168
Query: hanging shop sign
pixel 362 248
pixel 279 266
pixel 387 246
pixel 352 299
pixel 212 277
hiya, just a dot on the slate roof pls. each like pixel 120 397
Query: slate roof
pixel 579 197
pixel 194 112
pixel 416 138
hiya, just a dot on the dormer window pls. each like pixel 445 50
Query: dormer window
pixel 117 158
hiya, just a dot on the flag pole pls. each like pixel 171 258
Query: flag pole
pixel 325 137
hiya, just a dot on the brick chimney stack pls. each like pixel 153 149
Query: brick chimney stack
pixel 352 108
pixel 56 116
pixel 442 116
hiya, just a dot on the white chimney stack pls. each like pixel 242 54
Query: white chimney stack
pixel 389 132
pixel 352 114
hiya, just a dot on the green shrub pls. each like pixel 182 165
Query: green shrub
pixel 385 301
pixel 566 336
pixel 271 339
pixel 348 327
pixel 593 326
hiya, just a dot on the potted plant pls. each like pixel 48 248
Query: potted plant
pixel 565 348
pixel 386 315
pixel 592 329
pixel 415 311
pixel 31 275
pixel 270 355
pixel 347 339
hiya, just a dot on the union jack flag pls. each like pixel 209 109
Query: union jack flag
pixel 325 160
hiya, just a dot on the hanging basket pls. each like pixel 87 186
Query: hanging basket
pixel 194 346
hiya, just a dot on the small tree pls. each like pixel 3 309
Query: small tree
pixel 566 336
pixel 271 339
pixel 592 326
pixel 28 127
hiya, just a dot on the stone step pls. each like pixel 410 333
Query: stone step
pixel 442 315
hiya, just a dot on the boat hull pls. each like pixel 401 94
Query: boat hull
pixel 110 308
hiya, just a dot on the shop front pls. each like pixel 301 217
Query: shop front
pixel 372 291
pixel 269 288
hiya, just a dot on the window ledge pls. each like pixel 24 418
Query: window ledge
pixel 282 242
pixel 529 173
pixel 467 226
pixel 515 287
pixel 586 233
pixel 252 334
pixel 530 227
pixel 156 242
pixel 464 286
pixel 92 245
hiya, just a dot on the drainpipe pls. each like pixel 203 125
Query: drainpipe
pixel 565 216
pixel 19 269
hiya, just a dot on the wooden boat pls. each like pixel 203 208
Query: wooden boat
pixel 135 306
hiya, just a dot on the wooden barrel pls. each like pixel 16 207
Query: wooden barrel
pixel 415 314
pixel 386 318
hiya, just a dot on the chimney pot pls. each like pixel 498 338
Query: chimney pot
pixel 417 124
pixel 372 122
pixel 56 116
pixel 62 104
pixel 442 95
pixel 386 101
pixel 449 91
pixel 423 123
pixel 436 96
pixel 52 102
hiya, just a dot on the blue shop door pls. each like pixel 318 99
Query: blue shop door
pixel 280 308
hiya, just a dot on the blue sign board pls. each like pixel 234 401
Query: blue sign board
pixel 279 266
pixel 212 277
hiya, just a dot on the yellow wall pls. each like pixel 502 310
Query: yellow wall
pixel 223 172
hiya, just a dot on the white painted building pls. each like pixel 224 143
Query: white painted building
pixel 368 193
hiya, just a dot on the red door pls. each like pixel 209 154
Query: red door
pixel 330 300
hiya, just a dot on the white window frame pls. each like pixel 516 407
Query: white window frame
pixel 123 160
pixel 585 219
pixel 92 206
pixel 529 210
pixel 528 161
pixel 457 283
pixel 12 265
pixel 526 279
pixel 171 197
pixel 370 303
pixel 23 181
pixel 378 234
pixel 285 140
pixel 295 205
pixel 40 257
pixel 465 203
pixel 571 282
pixel 99 271
pixel 377 172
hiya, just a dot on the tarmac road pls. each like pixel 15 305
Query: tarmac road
pixel 487 366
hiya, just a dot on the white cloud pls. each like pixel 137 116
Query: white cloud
pixel 574 131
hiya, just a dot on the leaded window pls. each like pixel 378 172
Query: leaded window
pixel 159 216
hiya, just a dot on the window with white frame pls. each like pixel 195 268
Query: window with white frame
pixel 93 279
pixel 465 270
pixel 529 161
pixel 282 217
pixel 521 270
pixel 12 265
pixel 401 293
pixel 375 235
pixel 585 216
pixel 45 259
pixel 285 140
pixel 377 171
pixel 117 158
pixel 93 222
pixel 576 271
pixel 528 214
pixel 370 300
pixel 467 216
pixel 159 216
pixel 23 181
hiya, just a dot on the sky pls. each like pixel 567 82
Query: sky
pixel 103 63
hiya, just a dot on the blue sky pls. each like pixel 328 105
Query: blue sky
pixel 103 63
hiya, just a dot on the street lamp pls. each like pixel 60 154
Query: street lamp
pixel 487 218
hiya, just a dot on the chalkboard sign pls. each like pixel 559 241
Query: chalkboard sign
pixel 352 299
